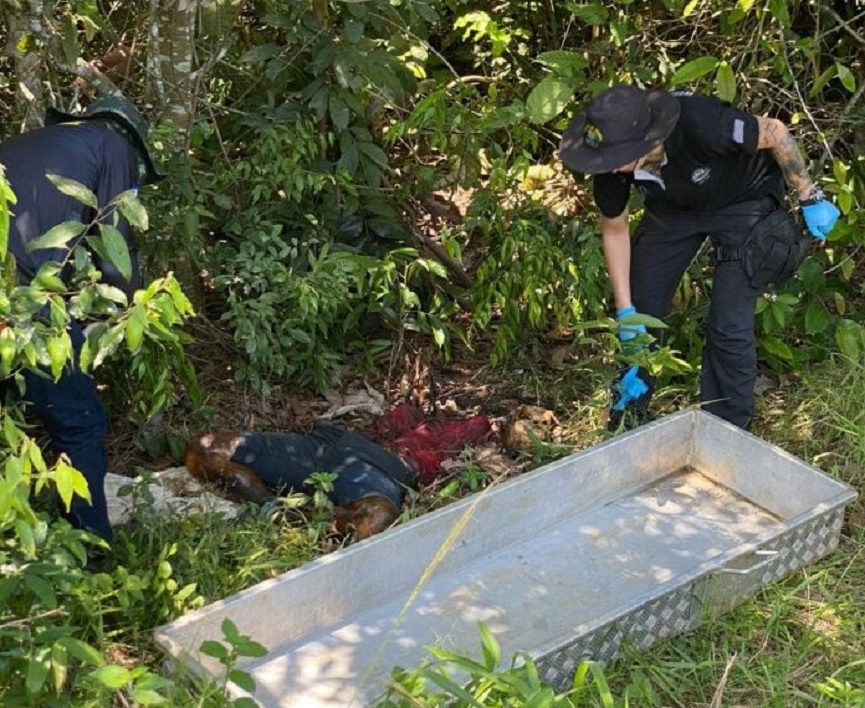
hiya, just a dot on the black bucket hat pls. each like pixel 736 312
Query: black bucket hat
pixel 620 125
pixel 117 109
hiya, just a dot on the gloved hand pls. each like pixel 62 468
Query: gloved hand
pixel 629 331
pixel 820 216
pixel 630 387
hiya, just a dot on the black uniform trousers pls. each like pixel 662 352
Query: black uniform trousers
pixel 665 243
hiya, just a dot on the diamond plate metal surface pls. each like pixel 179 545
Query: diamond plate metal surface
pixel 679 611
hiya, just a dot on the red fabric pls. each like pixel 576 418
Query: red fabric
pixel 427 443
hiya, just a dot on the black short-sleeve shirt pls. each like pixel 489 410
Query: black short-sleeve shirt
pixel 712 162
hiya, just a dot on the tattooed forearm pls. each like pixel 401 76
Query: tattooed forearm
pixel 775 137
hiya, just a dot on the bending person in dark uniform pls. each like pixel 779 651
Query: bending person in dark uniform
pixel 105 150
pixel 707 170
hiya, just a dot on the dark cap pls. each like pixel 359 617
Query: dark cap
pixel 619 126
pixel 115 108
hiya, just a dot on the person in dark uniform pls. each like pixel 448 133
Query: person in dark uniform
pixel 706 170
pixel 105 149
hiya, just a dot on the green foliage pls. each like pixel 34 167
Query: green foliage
pixel 452 679
pixel 530 280
pixel 235 646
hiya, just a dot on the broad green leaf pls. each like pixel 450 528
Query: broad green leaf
pixel 59 666
pixel 132 209
pixel 845 202
pixel 846 77
pixel 591 14
pixel 42 589
pixel 694 70
pixel 725 82
pixel 230 631
pixel 112 676
pixel 74 189
pixel 82 651
pixel 777 348
pixel 70 482
pixel 25 537
pixel 339 113
pixel 778 10
pixel 57 236
pixel 548 99
pixel 816 318
pixel 117 250
pixel 848 337
pixel 563 62
pixel 59 352
pixel 135 329
pixel 37 670
pixel 261 53
pixel 242 679
pixel 209 647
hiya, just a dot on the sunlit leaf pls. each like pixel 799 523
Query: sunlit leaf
pixel 548 99
pixel 693 70
pixel 74 189
pixel 57 236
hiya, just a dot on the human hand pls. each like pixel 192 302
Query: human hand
pixel 630 387
pixel 820 217
pixel 629 331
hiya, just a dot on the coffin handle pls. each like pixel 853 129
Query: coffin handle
pixel 770 556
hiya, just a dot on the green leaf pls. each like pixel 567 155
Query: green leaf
pixel 59 666
pixel 848 338
pixel 112 676
pixel 132 209
pixel 725 82
pixel 548 99
pixel 846 77
pixel 689 8
pixel 592 14
pixel 242 679
pixel 57 236
pixel 25 537
pixel 490 648
pixel 74 189
pixel 37 670
pixel 82 651
pixel 116 250
pixel 816 318
pixel 777 348
pixel 693 70
pixel 217 650
pixel 563 62
pixel 42 589
pixel 70 482
pixel 135 329
pixel 339 113
pixel 778 10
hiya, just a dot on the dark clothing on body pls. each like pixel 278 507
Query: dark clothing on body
pixel 363 468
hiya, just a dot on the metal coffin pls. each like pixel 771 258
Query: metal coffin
pixel 630 541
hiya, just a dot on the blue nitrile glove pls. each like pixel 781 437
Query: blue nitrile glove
pixel 820 215
pixel 629 331
pixel 630 388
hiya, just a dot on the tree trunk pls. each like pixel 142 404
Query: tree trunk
pixel 25 30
